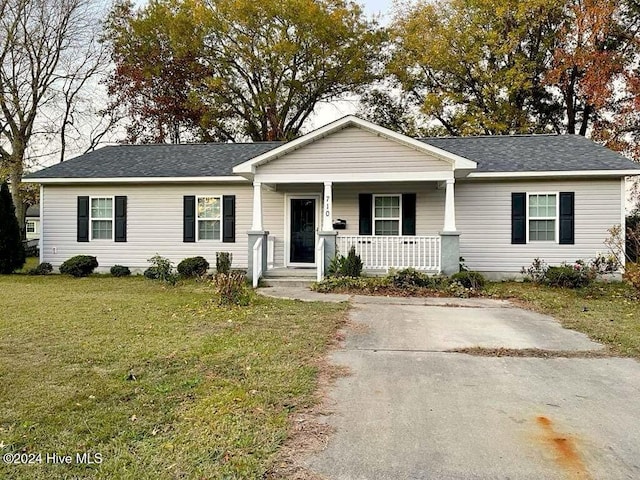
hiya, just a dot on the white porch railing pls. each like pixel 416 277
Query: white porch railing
pixel 257 262
pixel 385 252
pixel 320 260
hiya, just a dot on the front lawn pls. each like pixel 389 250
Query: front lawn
pixel 157 380
pixel 608 312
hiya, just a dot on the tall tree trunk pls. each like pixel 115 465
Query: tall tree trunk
pixel 586 116
pixel 16 178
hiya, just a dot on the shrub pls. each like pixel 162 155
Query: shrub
pixel 352 264
pixel 349 266
pixel 223 262
pixel 472 280
pixel 570 276
pixel 336 266
pixel 409 278
pixel 120 271
pixel 44 268
pixel 535 272
pixel 632 275
pixel 605 263
pixel 338 284
pixel 79 266
pixel 161 269
pixel 12 255
pixel 231 288
pixel 151 273
pixel 193 267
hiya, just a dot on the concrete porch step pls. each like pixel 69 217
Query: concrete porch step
pixel 287 282
pixel 289 277
pixel 291 273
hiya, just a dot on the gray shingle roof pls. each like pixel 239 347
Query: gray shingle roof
pixel 519 153
pixel 161 160
pixel 33 211
pixel 533 153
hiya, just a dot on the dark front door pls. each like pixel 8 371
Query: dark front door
pixel 303 230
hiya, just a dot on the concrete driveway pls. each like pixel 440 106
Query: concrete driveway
pixel 411 409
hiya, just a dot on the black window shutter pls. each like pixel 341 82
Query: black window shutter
pixel 408 214
pixel 518 218
pixel 567 218
pixel 83 219
pixel 189 219
pixel 366 214
pixel 121 219
pixel 229 218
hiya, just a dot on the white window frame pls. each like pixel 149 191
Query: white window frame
pixel 556 218
pixel 374 218
pixel 198 219
pixel 31 223
pixel 113 219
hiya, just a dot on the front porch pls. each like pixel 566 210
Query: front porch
pixel 355 184
pixel 318 222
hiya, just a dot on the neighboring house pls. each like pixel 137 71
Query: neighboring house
pixel 32 222
pixel 497 201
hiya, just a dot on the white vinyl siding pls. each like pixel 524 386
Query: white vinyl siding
pixel 154 224
pixel 358 151
pixel 483 217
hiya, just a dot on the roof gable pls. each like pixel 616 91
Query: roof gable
pixel 456 161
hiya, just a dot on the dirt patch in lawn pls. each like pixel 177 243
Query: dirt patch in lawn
pixel 309 431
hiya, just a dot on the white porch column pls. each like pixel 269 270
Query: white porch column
pixel 327 209
pixel 256 225
pixel 450 207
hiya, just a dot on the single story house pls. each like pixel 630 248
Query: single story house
pixel 497 201
pixel 32 222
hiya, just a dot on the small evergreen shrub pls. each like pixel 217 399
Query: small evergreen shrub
pixel 12 255
pixel 409 278
pixel 231 289
pixel 151 273
pixel 44 268
pixel 120 271
pixel 223 262
pixel 349 266
pixel 352 266
pixel 161 269
pixel 570 276
pixel 469 279
pixel 336 266
pixel 193 267
pixel 79 266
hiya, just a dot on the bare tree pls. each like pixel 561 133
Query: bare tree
pixel 50 53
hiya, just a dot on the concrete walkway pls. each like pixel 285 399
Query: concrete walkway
pixel 411 409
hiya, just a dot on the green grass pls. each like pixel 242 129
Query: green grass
pixel 608 312
pixel 158 380
pixel 32 262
